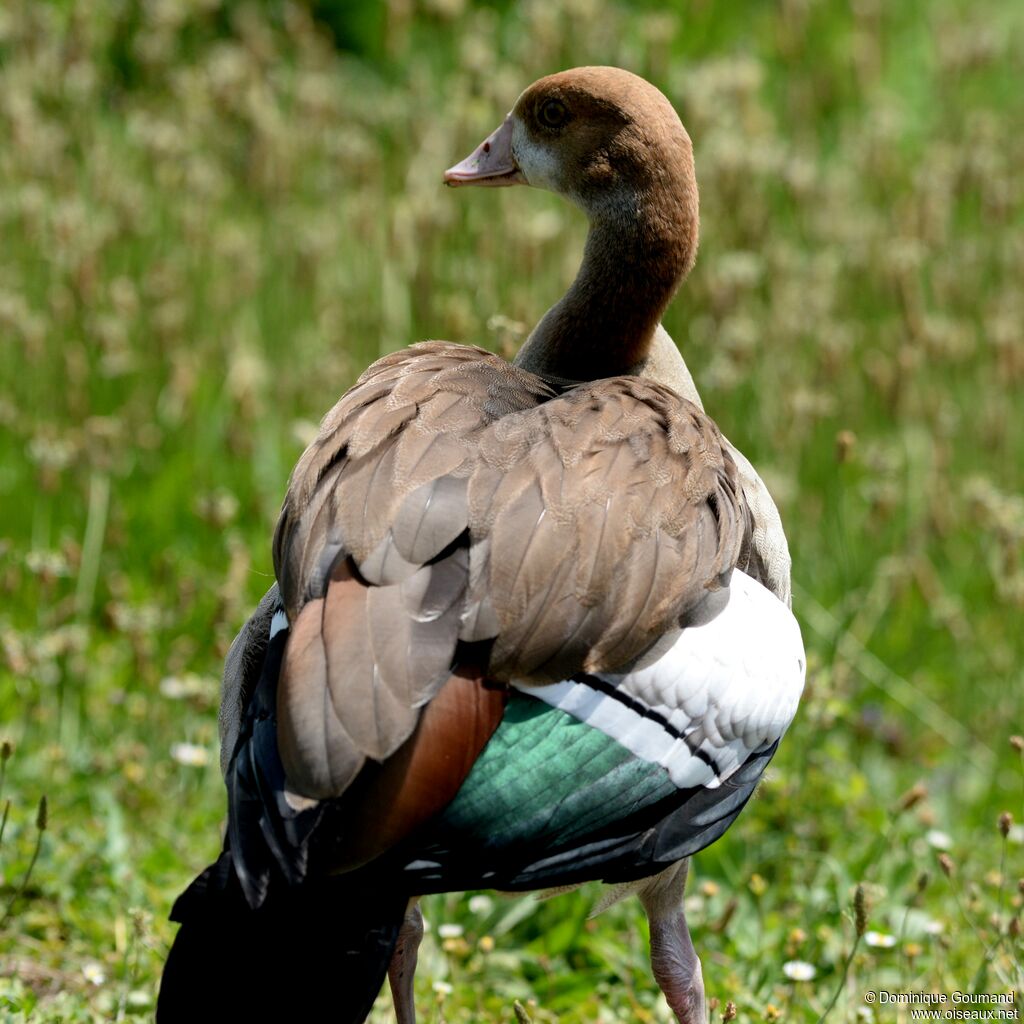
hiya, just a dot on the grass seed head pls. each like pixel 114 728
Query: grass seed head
pixel 947 865
pixel 912 797
pixel 846 442
pixel 860 909
pixel 729 1013
pixel 1005 823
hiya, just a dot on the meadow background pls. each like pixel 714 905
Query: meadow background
pixel 214 214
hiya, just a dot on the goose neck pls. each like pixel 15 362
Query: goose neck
pixel 636 254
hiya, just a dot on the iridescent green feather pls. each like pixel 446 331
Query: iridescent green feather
pixel 546 778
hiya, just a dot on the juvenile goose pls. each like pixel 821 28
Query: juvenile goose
pixel 531 622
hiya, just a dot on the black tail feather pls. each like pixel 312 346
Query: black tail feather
pixel 311 953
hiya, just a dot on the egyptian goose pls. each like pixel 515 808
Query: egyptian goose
pixel 531 623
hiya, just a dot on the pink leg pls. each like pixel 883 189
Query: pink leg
pixel 402 969
pixel 674 961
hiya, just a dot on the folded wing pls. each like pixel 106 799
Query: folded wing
pixel 454 511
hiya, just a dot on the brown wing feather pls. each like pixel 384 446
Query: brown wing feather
pixel 372 506
pixel 450 496
pixel 409 422
pixel 630 486
pixel 319 756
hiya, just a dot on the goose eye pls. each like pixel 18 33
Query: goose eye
pixel 553 114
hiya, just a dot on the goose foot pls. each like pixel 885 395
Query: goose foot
pixel 402 969
pixel 674 961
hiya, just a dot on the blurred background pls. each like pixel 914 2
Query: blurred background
pixel 214 214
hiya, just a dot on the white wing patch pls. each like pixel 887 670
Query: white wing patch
pixel 722 691
pixel 278 623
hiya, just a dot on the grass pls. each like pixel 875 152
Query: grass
pixel 211 218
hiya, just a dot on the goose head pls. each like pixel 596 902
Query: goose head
pixel 611 144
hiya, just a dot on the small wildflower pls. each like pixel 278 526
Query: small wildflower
pixel 450 931
pixel 486 944
pixel 880 940
pixel 481 904
pixel 758 886
pixel 799 970
pixel 709 888
pixel 49 565
pixel 188 685
pixel 442 988
pixel 304 431
pixel 938 840
pixel 190 754
pixel 94 974
pixel 1017 742
pixel 730 1012
pixel 1005 823
pixel 947 865
pixel 912 950
pixel 772 1013
pixel 933 927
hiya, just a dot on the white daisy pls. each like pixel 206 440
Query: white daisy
pixel 938 839
pixel 799 970
pixel 94 974
pixel 190 754
pixel 481 904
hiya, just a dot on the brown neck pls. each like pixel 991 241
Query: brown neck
pixel 637 253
